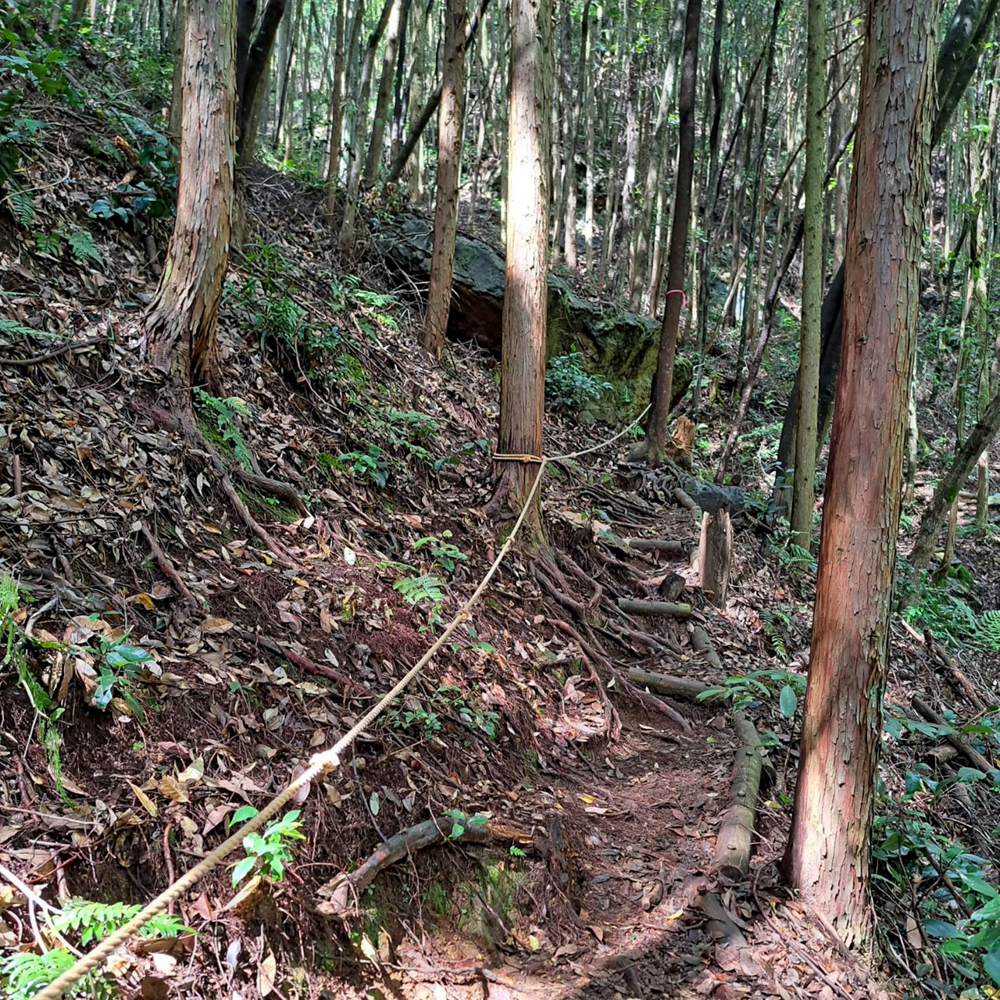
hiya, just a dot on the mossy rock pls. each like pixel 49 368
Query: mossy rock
pixel 619 346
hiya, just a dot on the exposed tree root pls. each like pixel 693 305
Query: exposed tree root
pixel 542 570
pixel 167 567
pixel 319 669
pixel 339 897
pixel 673 609
pixel 182 419
pixel 676 687
pixel 657 704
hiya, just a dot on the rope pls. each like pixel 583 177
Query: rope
pixel 507 458
pixel 684 298
pixel 319 764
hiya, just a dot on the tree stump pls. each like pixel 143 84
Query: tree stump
pixel 715 552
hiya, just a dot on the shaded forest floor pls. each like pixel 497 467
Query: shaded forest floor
pixel 176 668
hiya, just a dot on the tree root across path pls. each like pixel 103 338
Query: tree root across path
pixel 339 897
pixel 182 419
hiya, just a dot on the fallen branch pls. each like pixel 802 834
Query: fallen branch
pixel 647 608
pixel 670 547
pixel 77 345
pixel 962 682
pixel 733 845
pixel 974 756
pixel 658 704
pixel 676 687
pixel 340 895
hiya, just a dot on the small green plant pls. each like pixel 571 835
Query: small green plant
pixel 425 588
pixel 366 465
pixel 953 890
pixel 416 717
pixel 568 386
pixel 25 973
pixel 444 553
pixel 761 685
pixel 227 413
pixel 120 666
pixel 268 852
pixel 943 608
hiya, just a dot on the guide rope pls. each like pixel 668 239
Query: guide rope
pixel 319 765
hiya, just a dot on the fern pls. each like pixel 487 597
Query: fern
pixel 13 329
pixel 987 634
pixel 26 973
pixel 50 243
pixel 227 413
pixel 776 623
pixel 423 589
pixel 22 206
pixel 84 249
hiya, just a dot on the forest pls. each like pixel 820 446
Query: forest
pixel 497 499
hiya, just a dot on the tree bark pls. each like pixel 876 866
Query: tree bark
pixel 828 853
pixel 450 131
pixel 433 102
pixel 374 157
pixel 181 320
pixel 656 430
pixel 522 373
pixel 354 170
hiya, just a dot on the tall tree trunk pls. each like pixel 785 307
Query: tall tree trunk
pixel 450 131
pixel 828 854
pixel 431 106
pixel 336 141
pixel 354 169
pixel 813 268
pixel 656 428
pixel 956 62
pixel 569 180
pixel 254 81
pixel 374 157
pixel 181 320
pixel 522 373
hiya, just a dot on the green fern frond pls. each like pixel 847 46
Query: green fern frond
pixel 12 329
pixel 22 206
pixel 988 633
pixel 84 249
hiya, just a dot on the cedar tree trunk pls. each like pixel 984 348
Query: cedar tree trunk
pixel 828 854
pixel 656 429
pixel 450 121
pixel 181 321
pixel 522 375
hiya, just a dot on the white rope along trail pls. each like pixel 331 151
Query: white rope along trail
pixel 320 764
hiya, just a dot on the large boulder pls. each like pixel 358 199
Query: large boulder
pixel 619 346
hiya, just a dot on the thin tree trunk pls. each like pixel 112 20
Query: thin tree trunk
pixel 969 29
pixel 254 80
pixel 384 94
pixel 336 141
pixel 828 856
pixel 360 117
pixel 450 131
pixel 662 388
pixel 431 106
pixel 813 261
